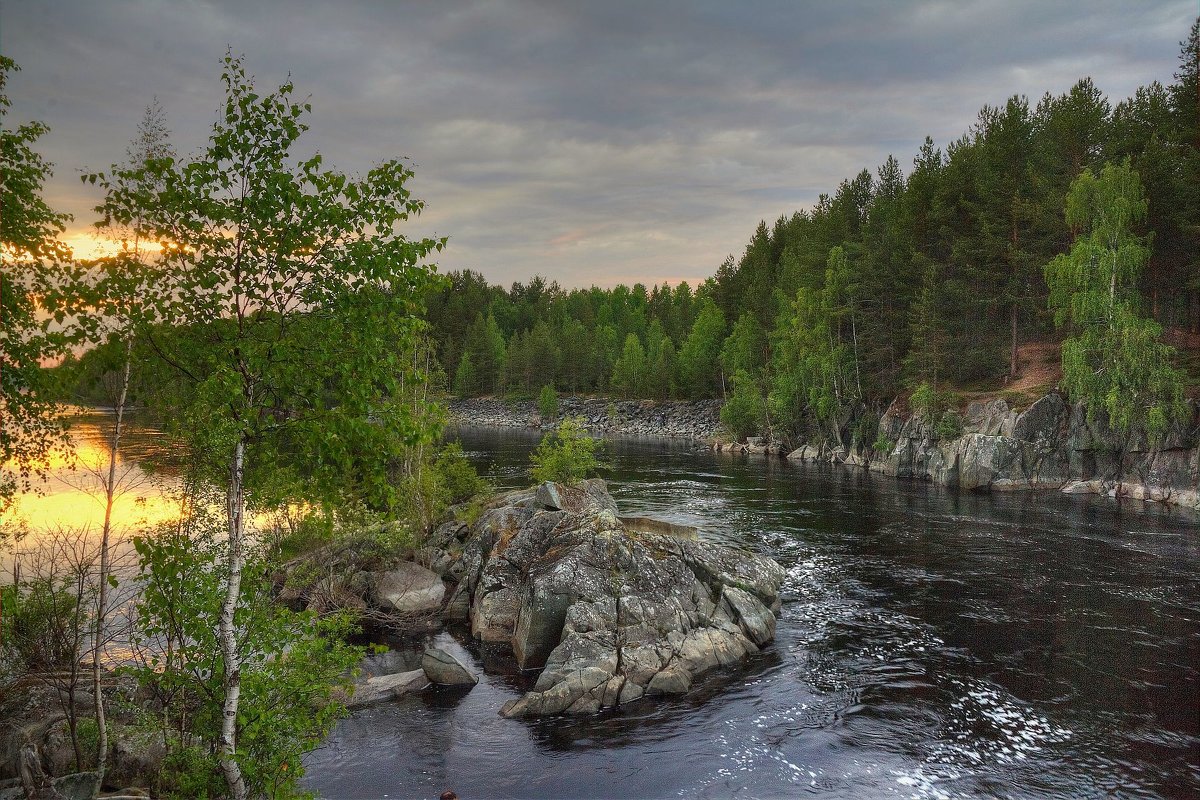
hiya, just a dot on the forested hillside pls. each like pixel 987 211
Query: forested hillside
pixel 931 275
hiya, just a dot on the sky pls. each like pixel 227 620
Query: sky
pixel 591 143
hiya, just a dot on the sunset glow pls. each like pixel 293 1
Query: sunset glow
pixel 87 245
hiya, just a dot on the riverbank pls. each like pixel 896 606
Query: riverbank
pixel 676 419
pixel 1048 446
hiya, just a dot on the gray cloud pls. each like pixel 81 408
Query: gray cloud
pixel 589 142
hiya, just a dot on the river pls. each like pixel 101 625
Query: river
pixel 931 645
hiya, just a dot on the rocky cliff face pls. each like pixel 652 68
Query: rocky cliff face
pixel 1050 445
pixel 610 609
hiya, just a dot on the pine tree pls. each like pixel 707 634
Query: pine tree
pixel 466 381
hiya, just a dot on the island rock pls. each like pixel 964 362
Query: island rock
pixel 610 609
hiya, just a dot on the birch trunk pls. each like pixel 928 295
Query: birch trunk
pixel 228 632
pixel 110 490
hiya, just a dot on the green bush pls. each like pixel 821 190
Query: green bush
pixel 427 493
pixel 548 403
pixel 923 401
pixel 291 536
pixel 938 410
pixel 459 478
pixel 867 428
pixel 950 426
pixel 566 455
pixel 882 444
pixel 190 772
pixel 39 624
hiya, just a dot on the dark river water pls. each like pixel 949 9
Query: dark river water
pixel 931 645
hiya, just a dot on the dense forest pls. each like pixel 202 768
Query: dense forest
pixel 929 276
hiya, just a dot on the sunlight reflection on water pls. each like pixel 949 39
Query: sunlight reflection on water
pixel 73 496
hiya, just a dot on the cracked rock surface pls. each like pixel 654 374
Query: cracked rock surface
pixel 610 612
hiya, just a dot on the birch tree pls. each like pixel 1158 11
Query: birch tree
pixel 123 291
pixel 1113 359
pixel 293 300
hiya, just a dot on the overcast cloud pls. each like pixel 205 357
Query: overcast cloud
pixel 599 142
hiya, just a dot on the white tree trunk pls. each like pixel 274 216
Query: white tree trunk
pixel 110 490
pixel 227 630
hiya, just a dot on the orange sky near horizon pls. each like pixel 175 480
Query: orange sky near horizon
pixel 86 245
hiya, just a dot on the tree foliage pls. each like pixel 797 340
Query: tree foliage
pixel 291 663
pixel 29 252
pixel 1114 359
pixel 937 279
pixel 293 301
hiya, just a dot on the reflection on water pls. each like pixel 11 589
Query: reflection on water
pixel 931 645
pixel 73 498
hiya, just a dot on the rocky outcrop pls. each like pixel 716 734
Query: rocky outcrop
pixel 699 419
pixel 1050 445
pixel 609 610
pixel 37 758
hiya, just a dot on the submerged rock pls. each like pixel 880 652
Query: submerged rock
pixel 610 609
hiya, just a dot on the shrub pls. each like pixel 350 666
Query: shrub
pixel 188 772
pixel 290 664
pixel 548 403
pixel 883 445
pixel 867 428
pixel 458 477
pixel 291 534
pixel 40 625
pixel 565 455
pixel 923 401
pixel 950 426
pixel 937 409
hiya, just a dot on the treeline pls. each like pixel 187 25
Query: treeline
pixel 899 278
pixel 493 341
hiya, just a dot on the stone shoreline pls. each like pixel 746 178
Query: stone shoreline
pixel 1049 446
pixel 675 419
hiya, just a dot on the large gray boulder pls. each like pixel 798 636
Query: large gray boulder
pixel 610 609
pixel 408 589
pixel 602 606
pixel 585 497
pixel 983 459
pixel 989 417
pixel 443 669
